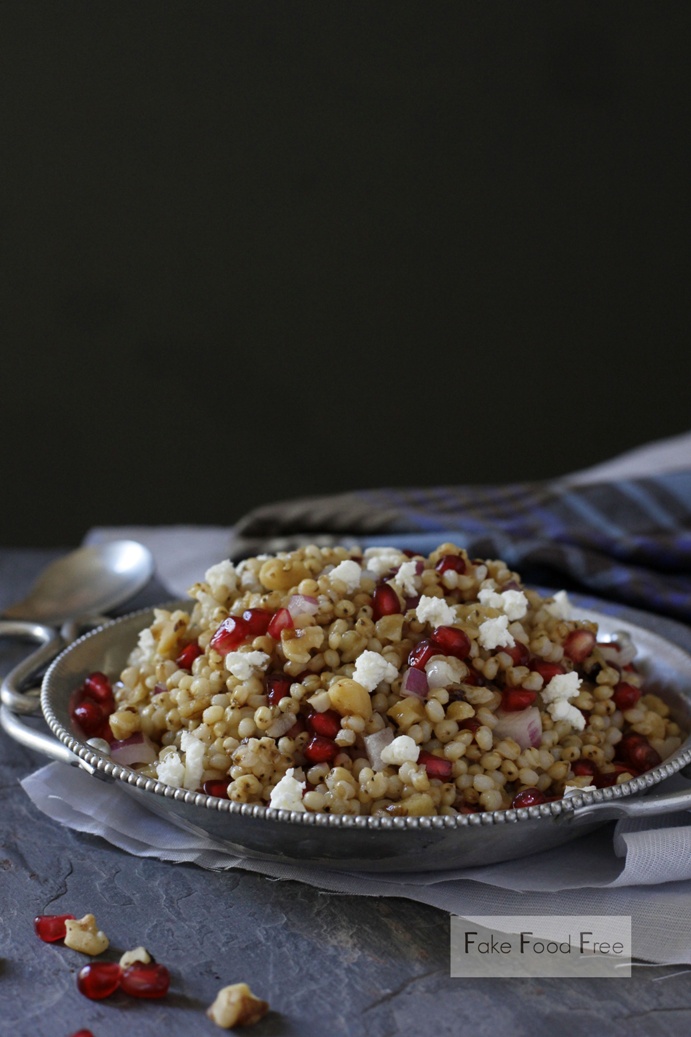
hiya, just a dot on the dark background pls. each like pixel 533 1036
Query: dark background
pixel 257 250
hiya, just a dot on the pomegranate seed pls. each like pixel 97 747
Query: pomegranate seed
pixel 436 766
pixel 518 653
pixel 231 633
pixel 471 724
pixel 531 797
pixel 603 780
pixel 217 787
pixel 187 656
pixel 579 644
pixel 626 695
pixel 51 927
pixel 327 723
pixel 99 979
pixel 277 687
pixel 384 601
pixel 583 768
pixel 281 620
pixel 90 717
pixel 452 641
pixel 454 562
pixel 423 651
pixel 515 699
pixel 83 1033
pixel 98 687
pixel 257 621
pixel 145 980
pixel 320 749
pixel 546 670
pixel 637 750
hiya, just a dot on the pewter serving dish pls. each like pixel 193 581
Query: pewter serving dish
pixel 376 844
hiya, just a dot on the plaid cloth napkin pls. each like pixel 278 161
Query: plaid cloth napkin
pixel 627 540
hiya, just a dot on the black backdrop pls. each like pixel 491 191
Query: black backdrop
pixel 255 250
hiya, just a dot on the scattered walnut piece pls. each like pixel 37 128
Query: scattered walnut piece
pixel 82 934
pixel 138 954
pixel 236 1005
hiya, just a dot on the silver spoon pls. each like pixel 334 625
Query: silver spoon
pixel 89 580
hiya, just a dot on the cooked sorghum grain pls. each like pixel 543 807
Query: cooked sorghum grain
pixel 312 666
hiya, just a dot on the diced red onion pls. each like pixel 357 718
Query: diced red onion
pixel 524 726
pixel 136 749
pixel 302 605
pixel 374 744
pixel 415 683
pixel 412 602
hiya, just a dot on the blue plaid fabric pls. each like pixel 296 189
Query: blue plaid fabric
pixel 628 541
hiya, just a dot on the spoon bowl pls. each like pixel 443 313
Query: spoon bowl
pixel 90 580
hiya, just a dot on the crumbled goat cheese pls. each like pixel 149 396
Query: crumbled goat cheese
pixel 571 790
pixel 372 668
pixel 512 603
pixel 561 709
pixel 561 686
pixel 435 611
pixel 348 572
pixel 243 664
pixel 403 749
pixel 405 579
pixel 560 606
pixel 171 770
pixel 287 795
pixel 443 671
pixel 380 560
pixel 194 750
pixel 222 580
pixel 494 633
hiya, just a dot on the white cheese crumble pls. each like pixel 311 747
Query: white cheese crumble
pixel 243 664
pixel 348 572
pixel 556 694
pixel 194 750
pixel 171 770
pixel 371 669
pixel 287 794
pixel 222 579
pixel 380 560
pixel 571 790
pixel 561 709
pixel 494 633
pixel 406 579
pixel 435 611
pixel 403 749
pixel 512 603
pixel 560 606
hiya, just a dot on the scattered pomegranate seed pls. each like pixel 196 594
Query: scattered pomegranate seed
pixel 320 749
pixel 145 980
pixel 99 979
pixel 327 723
pixel 217 787
pixel 98 687
pixel 90 717
pixel 515 699
pixel 257 621
pixel 423 651
pixel 188 654
pixel 277 687
pixel 229 635
pixel 281 620
pixel 453 562
pixel 626 695
pixel 51 927
pixel 384 602
pixel 452 641
pixel 83 1033
pixel 579 644
pixel 546 670
pixel 583 768
pixel 518 653
pixel 531 797
pixel 436 766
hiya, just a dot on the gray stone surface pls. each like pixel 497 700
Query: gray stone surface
pixel 329 965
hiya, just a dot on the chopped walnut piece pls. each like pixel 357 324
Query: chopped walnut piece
pixel 236 1005
pixel 138 954
pixel 83 935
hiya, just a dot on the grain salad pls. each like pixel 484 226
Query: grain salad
pixel 383 682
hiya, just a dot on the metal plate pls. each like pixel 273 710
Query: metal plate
pixel 382 844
